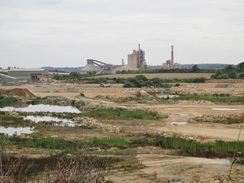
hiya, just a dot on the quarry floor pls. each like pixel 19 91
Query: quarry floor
pixel 158 164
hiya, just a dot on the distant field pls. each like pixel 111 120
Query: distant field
pixel 160 75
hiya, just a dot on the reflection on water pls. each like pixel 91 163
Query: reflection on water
pixel 10 131
pixel 64 122
pixel 225 109
pixel 42 108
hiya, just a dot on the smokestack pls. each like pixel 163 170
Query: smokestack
pixel 172 55
pixel 138 46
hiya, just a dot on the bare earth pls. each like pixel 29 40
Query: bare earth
pixel 158 164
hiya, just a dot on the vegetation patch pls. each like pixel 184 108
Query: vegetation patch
pixel 119 113
pixel 59 168
pixel 218 149
pixel 230 72
pixel 217 98
pixel 7 101
pixel 108 142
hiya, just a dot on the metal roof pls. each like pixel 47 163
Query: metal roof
pixel 7 76
pixel 27 70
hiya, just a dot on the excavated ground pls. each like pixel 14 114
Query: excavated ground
pixel 160 165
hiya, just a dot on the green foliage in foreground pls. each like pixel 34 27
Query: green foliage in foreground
pixel 108 142
pixel 213 98
pixel 123 114
pixel 218 149
pixel 7 101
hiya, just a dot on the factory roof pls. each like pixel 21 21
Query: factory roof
pixel 27 69
pixel 7 76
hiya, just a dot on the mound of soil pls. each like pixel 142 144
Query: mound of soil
pixel 20 92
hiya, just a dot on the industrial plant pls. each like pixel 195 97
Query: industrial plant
pixel 97 67
pixel 21 76
pixel 169 64
pixel 136 61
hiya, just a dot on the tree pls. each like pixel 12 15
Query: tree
pixel 195 68
pixel 232 74
pixel 240 67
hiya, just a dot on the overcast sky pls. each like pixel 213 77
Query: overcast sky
pixel 65 33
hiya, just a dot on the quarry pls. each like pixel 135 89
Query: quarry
pixel 129 126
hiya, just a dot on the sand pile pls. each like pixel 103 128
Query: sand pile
pixel 20 92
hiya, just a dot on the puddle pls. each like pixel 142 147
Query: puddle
pixel 64 122
pixel 43 108
pixel 179 123
pixel 184 114
pixel 212 161
pixel 168 96
pixel 172 108
pixel 10 131
pixel 226 109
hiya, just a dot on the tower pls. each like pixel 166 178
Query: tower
pixel 172 55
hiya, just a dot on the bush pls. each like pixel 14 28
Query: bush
pixel 123 114
pixel 7 101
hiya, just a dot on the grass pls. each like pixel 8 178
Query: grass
pixel 58 168
pixel 213 98
pixel 7 101
pixel 123 114
pixel 217 149
pixel 108 142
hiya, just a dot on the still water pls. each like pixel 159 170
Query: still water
pixel 42 108
pixel 10 131
pixel 63 122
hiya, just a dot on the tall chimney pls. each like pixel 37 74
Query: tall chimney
pixel 138 46
pixel 172 55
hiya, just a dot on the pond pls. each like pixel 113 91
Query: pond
pixel 42 108
pixel 10 131
pixel 63 122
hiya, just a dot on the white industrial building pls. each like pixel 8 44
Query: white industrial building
pixel 19 76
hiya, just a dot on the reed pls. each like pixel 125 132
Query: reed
pixel 123 114
pixel 7 101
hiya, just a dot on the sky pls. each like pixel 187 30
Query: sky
pixel 65 33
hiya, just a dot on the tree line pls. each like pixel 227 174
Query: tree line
pixel 230 72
